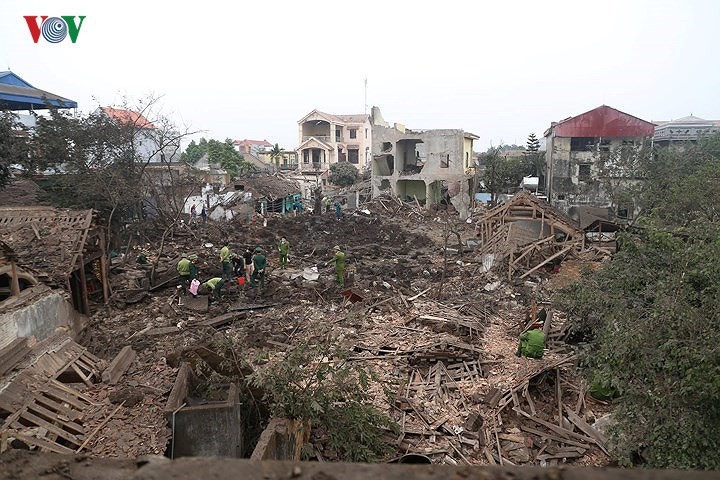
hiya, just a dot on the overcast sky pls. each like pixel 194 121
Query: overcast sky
pixel 253 68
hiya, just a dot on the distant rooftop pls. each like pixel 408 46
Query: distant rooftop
pixel 127 117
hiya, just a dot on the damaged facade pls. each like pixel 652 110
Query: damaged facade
pixel 432 166
pixel 589 159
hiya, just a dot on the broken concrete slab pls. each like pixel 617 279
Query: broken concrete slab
pixel 201 303
pixel 282 440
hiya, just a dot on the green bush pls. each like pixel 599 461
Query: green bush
pixel 652 317
pixel 315 383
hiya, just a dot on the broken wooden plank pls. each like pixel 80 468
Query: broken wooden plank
pixel 12 354
pixel 585 427
pixel 43 444
pixel 415 297
pixel 97 429
pixel 222 319
pixel 563 432
pixel 162 331
pixel 54 429
pixel 254 306
pixel 119 365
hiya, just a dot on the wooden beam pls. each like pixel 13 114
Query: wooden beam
pixel 14 282
pixel 104 270
pixel 84 304
pixel 119 364
pixel 553 257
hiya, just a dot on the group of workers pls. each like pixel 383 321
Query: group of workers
pixel 190 279
pixel 250 265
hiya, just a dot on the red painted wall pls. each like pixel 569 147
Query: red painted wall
pixel 605 122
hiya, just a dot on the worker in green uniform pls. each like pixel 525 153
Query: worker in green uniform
pixel 187 270
pixel 339 260
pixel 259 264
pixel 226 263
pixel 284 249
pixel 532 344
pixel 213 287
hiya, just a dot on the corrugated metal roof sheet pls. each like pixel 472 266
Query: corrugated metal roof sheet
pixel 17 94
pixel 604 122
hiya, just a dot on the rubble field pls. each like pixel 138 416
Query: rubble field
pixel 418 309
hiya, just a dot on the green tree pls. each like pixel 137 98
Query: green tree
pixel 276 155
pixel 343 174
pixel 314 382
pixel 101 163
pixel 652 314
pixel 503 173
pixel 13 145
pixel 533 144
pixel 536 157
pixel 194 151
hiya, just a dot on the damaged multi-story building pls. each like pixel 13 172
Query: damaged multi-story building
pixel 325 139
pixel 432 166
pixel 590 161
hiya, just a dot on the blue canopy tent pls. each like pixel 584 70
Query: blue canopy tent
pixel 17 94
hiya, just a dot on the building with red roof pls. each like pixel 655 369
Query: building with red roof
pixel 588 159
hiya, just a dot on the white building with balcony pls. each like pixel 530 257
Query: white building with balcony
pixel 325 139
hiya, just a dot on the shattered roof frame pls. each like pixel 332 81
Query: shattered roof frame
pixel 44 239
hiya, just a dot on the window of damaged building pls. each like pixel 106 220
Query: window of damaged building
pixel 582 144
pixel 584 172
pixel 353 133
pixel 353 156
pixel 445 161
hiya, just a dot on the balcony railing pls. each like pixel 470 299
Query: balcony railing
pixel 322 138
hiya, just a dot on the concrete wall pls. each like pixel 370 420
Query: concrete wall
pixel 39 317
pixel 210 429
pixel 566 188
pixel 441 154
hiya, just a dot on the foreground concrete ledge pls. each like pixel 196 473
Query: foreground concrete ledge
pixel 21 465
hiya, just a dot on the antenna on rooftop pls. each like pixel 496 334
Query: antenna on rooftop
pixel 365 94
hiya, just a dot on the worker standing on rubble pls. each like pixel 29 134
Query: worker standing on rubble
pixel 213 287
pixel 248 258
pixel 328 203
pixel 338 211
pixel 238 264
pixel 259 264
pixel 284 249
pixel 188 271
pixel 226 263
pixel 339 260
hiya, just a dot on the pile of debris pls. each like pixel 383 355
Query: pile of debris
pixel 435 325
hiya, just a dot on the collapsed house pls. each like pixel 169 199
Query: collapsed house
pixel 57 247
pixel 52 264
pixel 527 234
pixel 428 166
